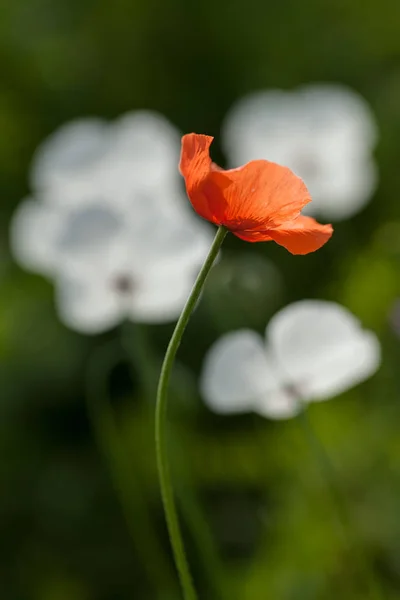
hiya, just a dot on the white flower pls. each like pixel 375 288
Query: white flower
pixel 324 132
pixel 314 350
pixel 109 223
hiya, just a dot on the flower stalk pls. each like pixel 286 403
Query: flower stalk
pixel 167 494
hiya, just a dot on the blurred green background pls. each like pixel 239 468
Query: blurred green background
pixel 250 489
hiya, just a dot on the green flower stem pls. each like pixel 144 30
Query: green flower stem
pixel 127 485
pixel 135 340
pixel 171 515
pixel 357 553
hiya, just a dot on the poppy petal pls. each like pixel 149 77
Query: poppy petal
pixel 260 195
pixel 195 166
pixel 253 236
pixel 301 236
pixel 195 162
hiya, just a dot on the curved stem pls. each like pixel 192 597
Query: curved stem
pixel 161 448
pixel 134 339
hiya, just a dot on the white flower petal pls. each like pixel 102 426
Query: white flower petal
pixel 88 305
pixel 237 376
pixel 166 238
pixel 321 348
pixel 340 193
pixel 160 297
pixel 144 149
pixel 265 125
pixel 139 151
pixel 279 404
pixel 325 133
pixel 340 118
pixel 70 156
pixel 33 233
pixel 93 239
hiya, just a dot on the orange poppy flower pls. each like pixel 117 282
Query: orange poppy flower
pixel 258 202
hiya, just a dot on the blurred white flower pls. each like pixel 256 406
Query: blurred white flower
pixel 324 132
pixel 110 224
pixel 314 350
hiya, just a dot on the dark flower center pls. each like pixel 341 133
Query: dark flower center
pixel 123 284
